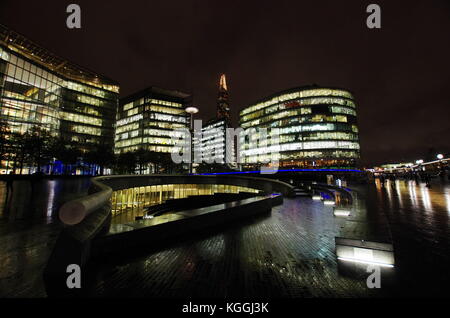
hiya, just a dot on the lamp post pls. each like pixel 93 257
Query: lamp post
pixel 191 110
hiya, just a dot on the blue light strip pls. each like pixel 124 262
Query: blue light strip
pixel 285 170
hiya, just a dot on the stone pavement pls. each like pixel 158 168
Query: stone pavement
pixel 289 253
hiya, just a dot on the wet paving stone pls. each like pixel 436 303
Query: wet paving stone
pixel 288 253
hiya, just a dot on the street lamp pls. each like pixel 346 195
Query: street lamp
pixel 419 161
pixel 191 110
pixel 440 156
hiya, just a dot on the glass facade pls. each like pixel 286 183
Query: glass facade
pixel 317 128
pixel 128 203
pixel 38 88
pixel 146 120
pixel 213 145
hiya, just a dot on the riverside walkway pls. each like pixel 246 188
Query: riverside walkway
pixel 288 253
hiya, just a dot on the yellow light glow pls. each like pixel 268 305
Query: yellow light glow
pixel 223 82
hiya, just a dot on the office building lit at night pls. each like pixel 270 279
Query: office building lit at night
pixel 256 155
pixel 214 146
pixel 146 120
pixel 317 129
pixel 40 89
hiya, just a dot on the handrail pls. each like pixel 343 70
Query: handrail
pixel 73 212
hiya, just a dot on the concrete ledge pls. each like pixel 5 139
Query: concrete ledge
pixel 154 232
pixel 264 184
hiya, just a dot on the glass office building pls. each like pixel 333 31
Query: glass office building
pixel 316 126
pixel 38 88
pixel 146 120
pixel 213 145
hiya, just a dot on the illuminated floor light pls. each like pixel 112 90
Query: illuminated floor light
pixel 355 260
pixel 316 197
pixel 328 202
pixel 341 212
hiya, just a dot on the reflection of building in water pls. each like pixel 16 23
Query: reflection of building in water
pixel 447 199
pixel 399 193
pixel 133 201
pixel 426 199
pixel 412 193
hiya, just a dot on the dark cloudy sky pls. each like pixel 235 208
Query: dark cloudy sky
pixel 400 75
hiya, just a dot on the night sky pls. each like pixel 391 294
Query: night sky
pixel 399 74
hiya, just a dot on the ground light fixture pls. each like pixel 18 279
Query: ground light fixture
pixel 364 252
pixel 360 261
pixel 341 212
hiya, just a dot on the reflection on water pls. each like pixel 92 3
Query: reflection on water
pixel 447 199
pixel 403 193
pixel 412 193
pixel 129 203
pixel 419 219
pixel 426 199
pixel 51 197
pixel 38 200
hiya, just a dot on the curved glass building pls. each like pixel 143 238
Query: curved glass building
pixel 316 126
pixel 40 89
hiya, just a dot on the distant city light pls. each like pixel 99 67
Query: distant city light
pixel 419 161
pixel 440 156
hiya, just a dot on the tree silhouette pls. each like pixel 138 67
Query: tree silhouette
pixel 101 155
pixel 126 162
pixel 143 158
pixel 37 146
pixel 65 152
